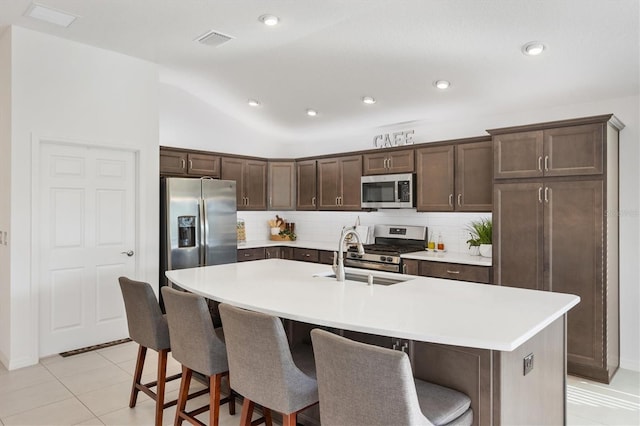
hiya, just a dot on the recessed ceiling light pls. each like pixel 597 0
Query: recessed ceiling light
pixel 254 102
pixel 533 48
pixel 269 20
pixel 369 100
pixel 312 112
pixel 442 84
pixel 50 15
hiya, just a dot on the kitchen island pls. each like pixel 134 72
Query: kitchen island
pixel 468 336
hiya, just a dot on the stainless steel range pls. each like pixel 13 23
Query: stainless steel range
pixel 390 242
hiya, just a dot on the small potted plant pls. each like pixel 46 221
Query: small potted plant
pixel 474 245
pixel 481 232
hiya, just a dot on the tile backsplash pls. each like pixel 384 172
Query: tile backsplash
pixel 325 226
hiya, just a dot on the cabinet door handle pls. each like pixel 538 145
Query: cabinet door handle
pixel 540 194
pixel 546 163
pixel 270 202
pixel 313 201
pixel 247 254
pixel 268 255
pixel 451 200
pixel 540 163
pixel 337 201
pixel 452 272
pixel 546 194
pixel 307 255
pixel 184 163
pixel 460 199
pixel 190 164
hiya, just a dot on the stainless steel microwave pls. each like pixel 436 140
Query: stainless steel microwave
pixel 387 191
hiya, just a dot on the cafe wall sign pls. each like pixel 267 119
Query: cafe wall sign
pixel 387 140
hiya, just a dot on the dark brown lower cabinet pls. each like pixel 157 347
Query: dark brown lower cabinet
pixel 453 271
pixel 247 254
pixel 552 235
pixel 273 252
pixel 305 255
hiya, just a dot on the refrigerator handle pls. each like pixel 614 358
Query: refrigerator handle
pixel 202 206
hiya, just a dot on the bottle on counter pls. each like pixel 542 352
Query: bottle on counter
pixel 431 245
pixel 440 243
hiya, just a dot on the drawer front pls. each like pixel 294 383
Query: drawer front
pixel 306 255
pixel 456 271
pixel 250 254
pixel 326 257
pixel 272 252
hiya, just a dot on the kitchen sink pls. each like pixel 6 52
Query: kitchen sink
pixel 351 276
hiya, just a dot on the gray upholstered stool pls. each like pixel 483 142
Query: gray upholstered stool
pixel 365 384
pixel 198 347
pixel 262 368
pixel 148 328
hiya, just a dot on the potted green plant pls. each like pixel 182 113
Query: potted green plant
pixel 481 232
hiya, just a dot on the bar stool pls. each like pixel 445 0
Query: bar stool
pixel 198 347
pixel 365 384
pixel 148 328
pixel 262 367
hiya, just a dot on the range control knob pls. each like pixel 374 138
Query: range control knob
pixel 383 258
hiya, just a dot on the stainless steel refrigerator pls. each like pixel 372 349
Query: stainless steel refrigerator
pixel 197 223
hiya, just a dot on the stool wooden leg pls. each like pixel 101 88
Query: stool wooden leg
pixel 289 419
pixel 267 416
pixel 137 376
pixel 183 394
pixel 247 412
pixel 232 398
pixel 214 399
pixel 162 381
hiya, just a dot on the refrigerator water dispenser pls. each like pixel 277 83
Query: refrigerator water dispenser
pixel 186 231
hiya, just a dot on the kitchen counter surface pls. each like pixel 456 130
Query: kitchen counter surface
pixel 423 309
pixel 462 258
pixel 317 245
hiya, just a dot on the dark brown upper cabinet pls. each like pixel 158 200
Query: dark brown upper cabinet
pixel 251 181
pixel 339 183
pixel 456 177
pixel 181 163
pixel 306 196
pixel 282 185
pixel 563 151
pixel 387 162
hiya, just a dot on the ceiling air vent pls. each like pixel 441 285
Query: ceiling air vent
pixel 213 38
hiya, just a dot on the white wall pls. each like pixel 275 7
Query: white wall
pixel 67 91
pixel 626 109
pixel 5 188
pixel 188 122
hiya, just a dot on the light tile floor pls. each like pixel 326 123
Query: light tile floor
pixel 93 389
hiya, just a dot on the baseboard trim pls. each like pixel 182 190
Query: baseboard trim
pixel 630 364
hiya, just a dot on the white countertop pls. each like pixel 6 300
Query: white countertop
pixel 462 258
pixel 317 245
pixel 424 309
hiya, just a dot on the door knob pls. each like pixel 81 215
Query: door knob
pixel 128 253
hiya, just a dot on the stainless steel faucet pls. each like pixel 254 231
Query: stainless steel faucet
pixel 338 267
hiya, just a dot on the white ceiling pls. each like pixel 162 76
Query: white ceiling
pixel 327 54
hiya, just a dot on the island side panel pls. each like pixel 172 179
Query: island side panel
pixel 539 397
pixel 467 370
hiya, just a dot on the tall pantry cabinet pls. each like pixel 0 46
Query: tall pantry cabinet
pixel 555 217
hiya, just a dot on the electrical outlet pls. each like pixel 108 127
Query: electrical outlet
pixel 528 364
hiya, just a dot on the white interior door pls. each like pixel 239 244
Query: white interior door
pixel 87 224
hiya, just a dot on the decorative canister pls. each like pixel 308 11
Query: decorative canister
pixel 240 230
